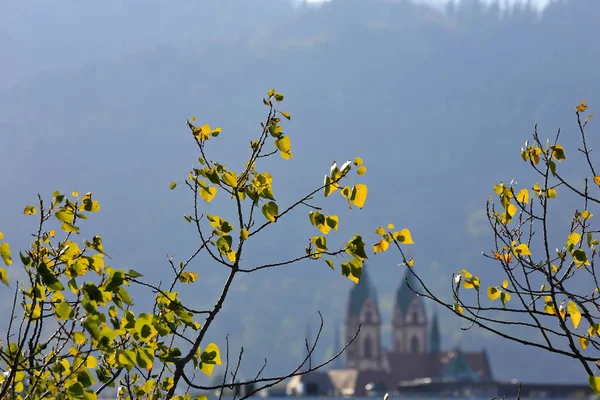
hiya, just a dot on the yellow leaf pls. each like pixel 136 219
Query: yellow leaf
pixel 457 308
pixel 583 342
pixel 172 185
pixel 585 214
pixel 193 119
pixel 286 115
pixel 551 193
pixel 5 253
pixel 359 195
pixel 361 170
pixel 1 235
pixel 380 231
pixel 522 250
pixel 493 293
pixel 230 178
pixel 69 228
pixel 523 196
pixel 573 239
pixel 471 283
pixel 597 180
pixel 91 362
pixel 581 107
pixel 30 210
pixel 381 246
pixel 574 313
pixel 4 276
pixel 390 226
pixel 244 234
pixel 411 262
pixel 505 284
pixel 75 193
pixel 207 193
pixel 403 236
pixel 79 338
pixel 284 145
pixel 511 209
pixel 358 161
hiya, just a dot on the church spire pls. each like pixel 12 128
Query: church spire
pixel 434 335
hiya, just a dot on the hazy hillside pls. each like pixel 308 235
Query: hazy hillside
pixel 437 104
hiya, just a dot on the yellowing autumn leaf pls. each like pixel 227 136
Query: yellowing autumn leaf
pixel 523 196
pixel 380 246
pixel 522 250
pixel 285 146
pixel 359 195
pixel 207 193
pixel 581 107
pixel 493 293
pixel 403 236
pixel 574 313
pixel 30 210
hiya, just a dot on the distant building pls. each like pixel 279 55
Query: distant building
pixel 415 355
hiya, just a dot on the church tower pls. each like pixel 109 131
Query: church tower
pixel 409 321
pixel 365 353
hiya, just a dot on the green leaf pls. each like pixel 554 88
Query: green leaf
pixel 134 274
pixel 76 390
pixel 49 279
pixel 594 383
pixel 63 311
pixel 270 210
pixel 580 257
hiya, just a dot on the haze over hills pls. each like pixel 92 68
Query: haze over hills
pixel 436 103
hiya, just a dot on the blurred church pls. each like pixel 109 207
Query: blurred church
pixel 416 353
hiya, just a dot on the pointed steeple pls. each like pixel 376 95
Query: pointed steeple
pixel 434 335
pixel 361 292
pixel 405 294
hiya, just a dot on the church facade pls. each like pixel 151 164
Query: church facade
pixel 415 353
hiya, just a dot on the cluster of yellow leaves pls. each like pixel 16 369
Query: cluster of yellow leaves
pixel 468 280
pixel 495 292
pixel 355 194
pixel 387 236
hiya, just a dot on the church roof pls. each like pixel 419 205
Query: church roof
pixel 361 292
pixel 405 294
pixel 459 369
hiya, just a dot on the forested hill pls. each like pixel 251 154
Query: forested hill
pixel 436 103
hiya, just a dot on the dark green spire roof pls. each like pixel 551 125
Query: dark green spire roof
pixel 434 336
pixel 361 292
pixel 405 294
pixel 459 369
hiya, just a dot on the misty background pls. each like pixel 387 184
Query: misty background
pixel 436 97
